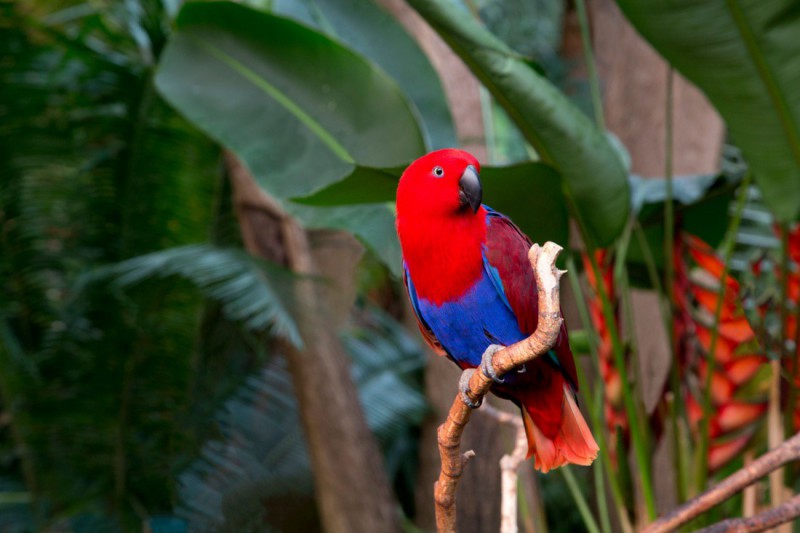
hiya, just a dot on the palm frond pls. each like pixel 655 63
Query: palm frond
pixel 254 292
pixel 258 476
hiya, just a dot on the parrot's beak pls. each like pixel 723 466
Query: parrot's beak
pixel 470 191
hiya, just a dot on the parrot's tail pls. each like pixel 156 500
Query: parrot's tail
pixel 572 443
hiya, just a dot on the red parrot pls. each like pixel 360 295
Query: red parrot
pixel 472 288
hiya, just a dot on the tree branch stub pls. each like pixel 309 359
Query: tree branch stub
pixel 543 262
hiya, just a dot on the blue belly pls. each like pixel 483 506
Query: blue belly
pixel 466 327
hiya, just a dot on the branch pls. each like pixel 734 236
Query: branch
pixel 788 451
pixel 543 262
pixel 761 522
pixel 509 465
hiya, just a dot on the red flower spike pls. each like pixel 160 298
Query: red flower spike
pixel 736 414
pixel 722 389
pixel 743 368
pixel 738 330
pixel 692 299
pixel 723 351
pixel 721 453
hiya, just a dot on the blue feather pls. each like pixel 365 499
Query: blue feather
pixel 467 326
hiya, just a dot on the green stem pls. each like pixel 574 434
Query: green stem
pixel 639 438
pixel 489 134
pixel 588 54
pixel 730 240
pixel 580 501
pixel 791 401
pixel 595 404
pixel 680 451
pixel 668 296
pixel 600 494
pixel 669 214
pixel 788 420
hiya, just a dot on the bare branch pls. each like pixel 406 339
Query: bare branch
pixel 543 262
pixel 770 461
pixel 509 466
pixel 761 522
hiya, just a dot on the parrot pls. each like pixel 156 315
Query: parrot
pixel 473 291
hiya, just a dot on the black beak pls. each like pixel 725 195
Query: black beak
pixel 470 191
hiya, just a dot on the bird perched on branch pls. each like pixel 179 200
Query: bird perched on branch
pixel 473 290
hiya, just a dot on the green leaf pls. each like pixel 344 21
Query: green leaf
pixel 363 185
pixel 701 208
pixel 370 30
pixel 300 109
pixel 745 56
pixel 594 179
pixel 250 291
pixel 259 471
pixel 529 193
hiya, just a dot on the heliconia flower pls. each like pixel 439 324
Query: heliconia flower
pixel 699 276
pixel 743 368
pixel 726 450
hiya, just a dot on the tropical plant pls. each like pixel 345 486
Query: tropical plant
pixel 133 316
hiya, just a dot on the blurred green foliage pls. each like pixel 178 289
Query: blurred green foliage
pixel 140 371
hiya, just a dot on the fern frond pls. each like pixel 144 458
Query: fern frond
pixel 256 293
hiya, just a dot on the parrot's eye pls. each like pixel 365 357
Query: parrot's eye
pixel 438 172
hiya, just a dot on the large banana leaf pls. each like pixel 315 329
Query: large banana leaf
pixel 299 108
pixel 365 27
pixel 745 56
pixel 594 177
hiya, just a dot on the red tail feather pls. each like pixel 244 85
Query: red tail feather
pixel 573 443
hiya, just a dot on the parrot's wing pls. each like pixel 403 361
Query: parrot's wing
pixel 427 334
pixel 506 262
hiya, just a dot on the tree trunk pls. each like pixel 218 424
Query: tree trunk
pixel 352 488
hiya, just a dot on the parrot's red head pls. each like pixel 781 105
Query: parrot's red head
pixel 441 222
pixel 443 183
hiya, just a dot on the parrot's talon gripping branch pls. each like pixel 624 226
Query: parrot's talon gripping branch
pixel 543 261
pixel 465 392
pixel 486 363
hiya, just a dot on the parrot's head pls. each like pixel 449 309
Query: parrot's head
pixel 441 184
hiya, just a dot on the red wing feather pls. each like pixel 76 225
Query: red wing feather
pixel 507 252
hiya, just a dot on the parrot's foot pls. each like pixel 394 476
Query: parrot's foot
pixel 463 389
pixel 486 362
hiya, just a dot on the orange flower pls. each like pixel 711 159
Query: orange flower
pixel 731 418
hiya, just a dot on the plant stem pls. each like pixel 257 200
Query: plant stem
pixel 600 494
pixel 791 401
pixel 588 54
pixel 669 284
pixel 640 444
pixel 730 239
pixel 774 422
pixel 580 501
pixel 676 403
pixel 595 404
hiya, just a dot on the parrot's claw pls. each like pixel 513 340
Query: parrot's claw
pixel 463 389
pixel 486 362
